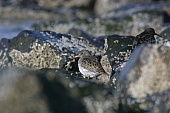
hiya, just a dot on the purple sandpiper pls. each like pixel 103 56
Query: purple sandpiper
pixel 89 65
pixel 147 36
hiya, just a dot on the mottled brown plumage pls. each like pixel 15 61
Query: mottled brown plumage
pixel 147 36
pixel 88 65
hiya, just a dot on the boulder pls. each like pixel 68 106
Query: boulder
pixel 4 53
pixel 26 91
pixel 46 49
pixel 117 51
pixel 44 90
pixel 144 83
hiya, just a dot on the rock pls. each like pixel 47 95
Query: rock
pixel 132 8
pixel 97 41
pixel 165 39
pixel 26 91
pixel 21 92
pixel 153 19
pixel 128 6
pixel 107 5
pixel 147 14
pixel 108 25
pixel 88 4
pixel 46 91
pixel 166 14
pixel 68 4
pixel 46 49
pixel 165 34
pixel 144 83
pixel 30 50
pixel 114 44
pixel 93 26
pixel 118 50
pixel 51 10
pixel 4 53
pixel 22 13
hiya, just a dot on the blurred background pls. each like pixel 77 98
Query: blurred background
pixel 95 17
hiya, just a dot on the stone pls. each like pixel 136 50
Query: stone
pixel 4 53
pixel 117 50
pixel 107 5
pixel 165 34
pixel 25 91
pixel 46 49
pixel 144 82
pixel 94 26
pixel 21 92
pixel 28 50
pixel 46 90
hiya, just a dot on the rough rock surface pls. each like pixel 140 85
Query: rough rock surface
pixel 117 50
pixel 146 77
pixel 46 49
pixel 96 27
pixel 4 53
pixel 108 25
pixel 36 50
pixel 166 34
pixel 165 37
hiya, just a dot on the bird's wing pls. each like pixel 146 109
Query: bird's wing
pixel 135 41
pixel 92 64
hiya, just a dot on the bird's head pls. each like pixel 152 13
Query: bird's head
pixel 83 53
pixel 151 31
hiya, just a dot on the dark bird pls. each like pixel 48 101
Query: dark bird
pixel 89 65
pixel 147 36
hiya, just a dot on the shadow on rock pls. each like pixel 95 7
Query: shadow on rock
pixel 24 91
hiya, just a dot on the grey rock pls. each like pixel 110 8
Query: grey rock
pixel 108 25
pixel 46 49
pixel 50 10
pixel 5 60
pixel 93 26
pixel 118 50
pixel 107 6
pixel 68 4
pixel 29 50
pixel 23 12
pixel 165 37
pixel 147 14
pixel 33 91
pixel 129 9
pixel 128 6
pixel 97 41
pixel 143 84
pixel 114 44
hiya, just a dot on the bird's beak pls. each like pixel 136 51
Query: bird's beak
pixel 78 56
pixel 158 35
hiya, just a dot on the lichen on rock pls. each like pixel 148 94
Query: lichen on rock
pixel 144 82
pixel 4 56
pixel 154 72
pixel 41 56
pixel 4 61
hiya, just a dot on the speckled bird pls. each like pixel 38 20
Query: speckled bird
pixel 147 36
pixel 89 65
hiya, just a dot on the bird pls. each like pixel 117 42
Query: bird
pixel 89 65
pixel 147 36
